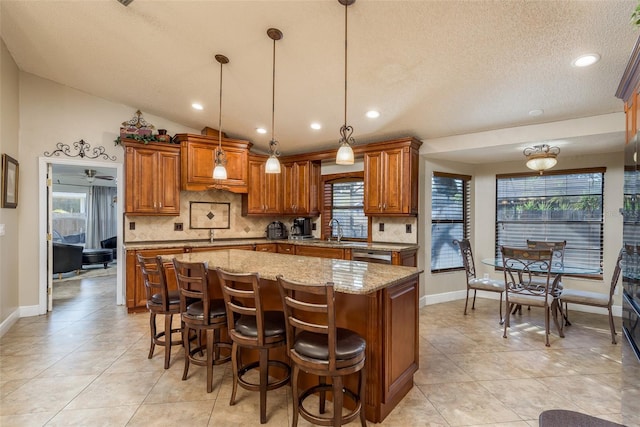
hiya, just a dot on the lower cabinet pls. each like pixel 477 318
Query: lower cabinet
pixel 136 295
pixel 320 252
pixel 267 247
pixel 406 258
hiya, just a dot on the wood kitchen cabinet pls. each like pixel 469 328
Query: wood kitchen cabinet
pixel 300 187
pixel 391 178
pixel 152 178
pixel 266 247
pixel 322 252
pixel 197 153
pixel 136 296
pixel 264 195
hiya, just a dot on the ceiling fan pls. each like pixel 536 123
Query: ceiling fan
pixel 91 175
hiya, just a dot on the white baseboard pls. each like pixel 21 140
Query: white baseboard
pixel 9 322
pixel 30 310
pixel 444 297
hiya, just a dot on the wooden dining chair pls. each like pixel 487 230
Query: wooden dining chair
pixel 474 283
pixel 523 269
pixel 160 301
pixel 253 328
pixel 595 299
pixel 317 346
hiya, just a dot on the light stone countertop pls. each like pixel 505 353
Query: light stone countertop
pixel 394 247
pixel 352 277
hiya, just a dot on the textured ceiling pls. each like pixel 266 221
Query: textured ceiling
pixel 432 68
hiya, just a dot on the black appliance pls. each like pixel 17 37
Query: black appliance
pixel 301 228
pixel 276 230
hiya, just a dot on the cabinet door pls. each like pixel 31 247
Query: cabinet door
pixel 168 183
pixel 254 202
pixel 373 175
pixel 320 252
pixel 301 176
pixel 136 295
pixel 141 182
pixel 199 162
pixel 289 187
pixel 285 248
pixel 266 247
pixel 392 181
pixel 272 196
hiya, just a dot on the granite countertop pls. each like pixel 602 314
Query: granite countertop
pixel 352 277
pixel 394 247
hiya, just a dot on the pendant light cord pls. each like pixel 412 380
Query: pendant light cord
pixel 220 115
pixel 345 63
pixel 273 93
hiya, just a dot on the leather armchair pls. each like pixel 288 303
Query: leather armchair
pixel 66 258
pixel 110 243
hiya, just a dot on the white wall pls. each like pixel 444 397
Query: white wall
pixel 52 113
pixel 9 243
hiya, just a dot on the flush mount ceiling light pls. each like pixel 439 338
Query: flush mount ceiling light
pixel 273 165
pixel 219 170
pixel 586 60
pixel 345 152
pixel 316 126
pixel 197 106
pixel 541 157
pixel 261 130
pixel 373 114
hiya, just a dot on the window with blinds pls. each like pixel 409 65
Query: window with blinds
pixel 557 206
pixel 343 199
pixel 631 206
pixel 449 219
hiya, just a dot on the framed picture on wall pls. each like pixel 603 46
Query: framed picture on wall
pixel 9 196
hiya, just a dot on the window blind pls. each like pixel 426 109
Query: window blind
pixel 348 208
pixel 449 219
pixel 553 207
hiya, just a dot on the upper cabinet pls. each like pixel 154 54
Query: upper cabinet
pixel 629 92
pixel 391 178
pixel 265 190
pixel 197 162
pixel 152 175
pixel 300 187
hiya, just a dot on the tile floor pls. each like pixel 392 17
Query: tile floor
pixel 86 364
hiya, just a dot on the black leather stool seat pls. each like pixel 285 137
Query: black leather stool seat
pixel 216 309
pixel 173 296
pixel 315 346
pixel 273 324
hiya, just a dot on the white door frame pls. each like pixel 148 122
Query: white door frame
pixel 42 222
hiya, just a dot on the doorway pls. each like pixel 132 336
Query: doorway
pixel 77 180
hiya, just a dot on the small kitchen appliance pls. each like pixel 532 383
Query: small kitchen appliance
pixel 276 230
pixel 301 228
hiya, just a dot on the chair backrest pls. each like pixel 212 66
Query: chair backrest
pixel 241 293
pixel 155 280
pixel 309 308
pixel 557 248
pixel 467 257
pixel 193 284
pixel 521 265
pixel 616 273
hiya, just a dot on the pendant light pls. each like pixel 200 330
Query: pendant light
pixel 219 170
pixel 273 164
pixel 345 152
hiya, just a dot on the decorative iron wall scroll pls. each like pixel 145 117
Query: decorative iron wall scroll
pixel 83 150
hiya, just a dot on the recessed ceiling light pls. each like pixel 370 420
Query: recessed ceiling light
pixel 586 60
pixel 197 106
pixel 536 113
pixel 316 126
pixel 373 114
pixel 261 130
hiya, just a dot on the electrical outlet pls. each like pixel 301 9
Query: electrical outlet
pixel 313 227
pixel 381 226
pixel 132 226
pixel 177 226
pixel 408 228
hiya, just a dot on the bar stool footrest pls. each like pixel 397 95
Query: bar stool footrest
pixel 256 365
pixel 316 419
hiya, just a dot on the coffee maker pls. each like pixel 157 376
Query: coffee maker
pixel 301 228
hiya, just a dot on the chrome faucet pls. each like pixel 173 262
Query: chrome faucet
pixel 211 235
pixel 331 227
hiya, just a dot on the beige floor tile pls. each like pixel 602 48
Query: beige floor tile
pixel 439 368
pixel 26 420
pixel 414 410
pixel 107 417
pixel 589 393
pixel 171 388
pixel 168 414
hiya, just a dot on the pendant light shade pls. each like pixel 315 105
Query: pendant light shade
pixel 345 152
pixel 541 157
pixel 219 170
pixel 273 164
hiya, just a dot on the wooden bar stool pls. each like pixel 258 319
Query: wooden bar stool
pixel 159 301
pixel 254 328
pixel 201 314
pixel 317 346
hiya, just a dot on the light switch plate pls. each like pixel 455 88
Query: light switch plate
pixel 1 229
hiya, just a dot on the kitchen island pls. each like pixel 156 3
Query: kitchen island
pixel 380 302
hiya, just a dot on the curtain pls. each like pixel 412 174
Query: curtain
pixel 101 218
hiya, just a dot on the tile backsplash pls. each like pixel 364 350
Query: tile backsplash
pixel 162 228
